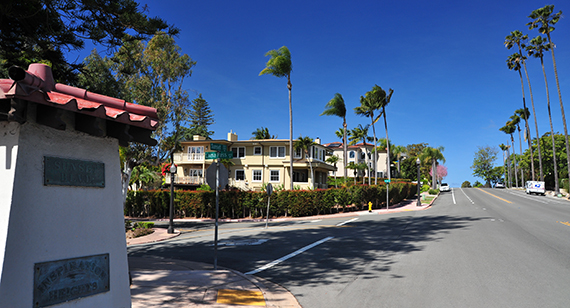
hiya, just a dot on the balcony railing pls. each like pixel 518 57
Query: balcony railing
pixel 189 157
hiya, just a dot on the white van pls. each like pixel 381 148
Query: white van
pixel 535 187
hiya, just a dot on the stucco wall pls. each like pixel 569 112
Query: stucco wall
pixel 48 223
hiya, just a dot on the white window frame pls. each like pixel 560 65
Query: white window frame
pixel 298 153
pixel 278 176
pixel 260 175
pixel 236 177
pixel 277 148
pixel 260 151
pixel 238 152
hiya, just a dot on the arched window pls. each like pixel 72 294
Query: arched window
pixel 351 154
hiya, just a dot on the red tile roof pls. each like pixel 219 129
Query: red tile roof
pixel 37 85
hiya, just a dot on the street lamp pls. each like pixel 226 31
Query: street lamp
pixel 419 203
pixel 172 173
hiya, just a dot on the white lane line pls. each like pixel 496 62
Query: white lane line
pixel 289 256
pixel 528 197
pixel 453 196
pixel 316 220
pixel 348 221
pixel 467 196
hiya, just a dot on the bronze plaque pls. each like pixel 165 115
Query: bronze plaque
pixel 73 172
pixel 64 280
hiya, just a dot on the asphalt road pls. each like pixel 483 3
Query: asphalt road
pixel 472 248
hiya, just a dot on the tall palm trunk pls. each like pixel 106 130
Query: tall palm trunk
pixel 561 105
pixel 387 144
pixel 289 86
pixel 528 130
pixel 345 150
pixel 373 152
pixel 535 125
pixel 556 185
pixel 515 161
pixel 520 148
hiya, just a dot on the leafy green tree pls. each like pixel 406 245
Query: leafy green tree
pixel 261 134
pixel 477 184
pixel 354 167
pixel 143 175
pixel 305 144
pixel 433 155
pixel 544 19
pixel 552 172
pixel 336 107
pixel 201 116
pixel 97 76
pixel 409 169
pixel 509 129
pixel 150 75
pixel 483 163
pixel 280 65
pixel 466 184
pixel 536 49
pixel 517 38
pixel 42 30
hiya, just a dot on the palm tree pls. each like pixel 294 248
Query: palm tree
pixel 354 167
pixel 433 155
pixel 544 20
pixel 371 102
pixel 279 65
pixel 336 107
pixel 504 148
pixel 262 133
pixel 509 130
pixel 517 38
pixel 333 160
pixel 361 133
pixel 306 144
pixel 513 63
pixel 536 49
pixel 515 121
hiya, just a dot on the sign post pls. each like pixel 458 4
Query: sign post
pixel 221 153
pixel 269 192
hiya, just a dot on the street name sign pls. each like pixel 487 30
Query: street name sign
pixel 220 155
pixel 218 147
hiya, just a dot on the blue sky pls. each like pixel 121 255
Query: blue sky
pixel 444 59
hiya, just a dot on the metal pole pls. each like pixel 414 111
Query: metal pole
pixel 267 220
pixel 172 171
pixel 419 203
pixel 217 212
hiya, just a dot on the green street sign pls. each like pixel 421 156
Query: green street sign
pixel 211 155
pixel 218 147
pixel 226 155
pixel 220 155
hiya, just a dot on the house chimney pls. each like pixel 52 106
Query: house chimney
pixel 318 140
pixel 198 138
pixel 232 136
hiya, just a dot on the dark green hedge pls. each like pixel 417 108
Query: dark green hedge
pixel 240 204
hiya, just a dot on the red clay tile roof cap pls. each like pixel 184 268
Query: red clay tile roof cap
pixel 37 85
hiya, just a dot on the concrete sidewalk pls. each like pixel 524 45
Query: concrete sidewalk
pixel 177 283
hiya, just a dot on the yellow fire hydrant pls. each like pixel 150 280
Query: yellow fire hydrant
pixel 370 206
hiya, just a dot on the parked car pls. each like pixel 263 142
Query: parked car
pixel 500 185
pixel 444 187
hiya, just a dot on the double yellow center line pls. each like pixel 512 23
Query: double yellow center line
pixel 507 201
